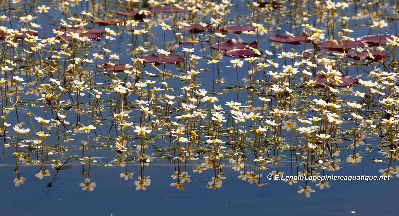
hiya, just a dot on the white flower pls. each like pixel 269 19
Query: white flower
pixel 142 130
pixel 126 175
pixel 380 24
pixel 87 128
pixel 19 180
pixel 307 190
pixel 41 173
pixel 87 185
pixel 43 9
pixel 237 62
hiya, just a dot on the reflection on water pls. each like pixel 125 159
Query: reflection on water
pixel 153 89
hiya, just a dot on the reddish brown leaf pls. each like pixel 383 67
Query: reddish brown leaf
pixel 365 55
pixel 296 39
pixel 91 33
pixel 238 29
pixel 345 81
pixel 80 30
pixel 233 44
pixel 107 21
pixel 168 9
pixel 376 40
pixel 242 53
pixel 340 46
pixel 196 28
pixel 162 59
pixel 273 4
pixel 116 67
pixel 136 14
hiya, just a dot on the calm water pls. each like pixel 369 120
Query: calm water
pixel 77 162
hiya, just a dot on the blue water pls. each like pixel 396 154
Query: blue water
pixel 115 196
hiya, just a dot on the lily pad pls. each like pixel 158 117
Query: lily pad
pixel 116 67
pixel 136 14
pixel 162 59
pixel 273 4
pixel 197 27
pixel 340 46
pixel 238 29
pixel 91 33
pixel 242 53
pixel 233 44
pixel 80 30
pixel 364 55
pixel 107 21
pixel 296 39
pixel 376 40
pixel 168 9
pixel 345 81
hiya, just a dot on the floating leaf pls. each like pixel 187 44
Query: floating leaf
pixel 162 59
pixel 376 40
pixel 107 21
pixel 345 81
pixel 91 33
pixel 274 4
pixel 136 14
pixel 340 46
pixel 242 53
pixel 365 55
pixel 168 9
pixel 308 53
pixel 296 39
pixel 233 44
pixel 116 67
pixel 80 30
pixel 238 29
pixel 197 27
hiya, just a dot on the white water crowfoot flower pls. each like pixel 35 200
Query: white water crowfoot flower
pixel 21 130
pixel 354 105
pixel 87 129
pixel 323 136
pixel 26 18
pixel 19 180
pixel 126 175
pixel 352 159
pixel 307 190
pixel 87 185
pixel 142 130
pixel 237 62
pixel 380 24
pixel 215 182
pixel 142 183
pixel 178 184
pixel 41 173
pixel 18 79
pixel 42 121
pixel 385 172
pixel 237 166
pixel 43 9
pixel 163 52
pixel 254 177
pixel 323 184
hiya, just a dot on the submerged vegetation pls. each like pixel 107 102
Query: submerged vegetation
pixel 301 88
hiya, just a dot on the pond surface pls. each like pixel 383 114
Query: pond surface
pixel 199 107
